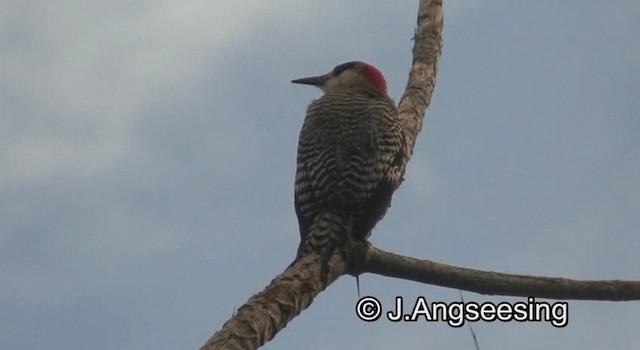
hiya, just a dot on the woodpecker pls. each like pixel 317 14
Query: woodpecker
pixel 349 159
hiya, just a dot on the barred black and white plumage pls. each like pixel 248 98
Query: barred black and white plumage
pixel 349 158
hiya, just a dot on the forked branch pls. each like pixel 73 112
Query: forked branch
pixel 269 311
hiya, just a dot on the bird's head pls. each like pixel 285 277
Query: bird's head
pixel 353 74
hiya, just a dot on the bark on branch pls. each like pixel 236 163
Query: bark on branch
pixel 267 312
pixel 493 283
pixel 422 77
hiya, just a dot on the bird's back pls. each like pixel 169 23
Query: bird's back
pixel 349 145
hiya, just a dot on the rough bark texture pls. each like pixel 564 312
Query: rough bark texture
pixel 267 312
pixel 422 78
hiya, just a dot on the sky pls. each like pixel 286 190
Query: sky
pixel 147 157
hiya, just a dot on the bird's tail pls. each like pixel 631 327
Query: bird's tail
pixel 327 231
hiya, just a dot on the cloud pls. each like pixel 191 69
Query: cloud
pixel 79 75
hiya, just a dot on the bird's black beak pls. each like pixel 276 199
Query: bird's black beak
pixel 315 81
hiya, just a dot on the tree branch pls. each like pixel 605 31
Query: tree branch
pixel 492 283
pixel 269 311
pixel 422 78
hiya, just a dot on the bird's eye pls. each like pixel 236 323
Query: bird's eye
pixel 343 67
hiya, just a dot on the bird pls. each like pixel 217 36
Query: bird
pixel 349 159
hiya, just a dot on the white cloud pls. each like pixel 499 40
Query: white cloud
pixel 79 74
